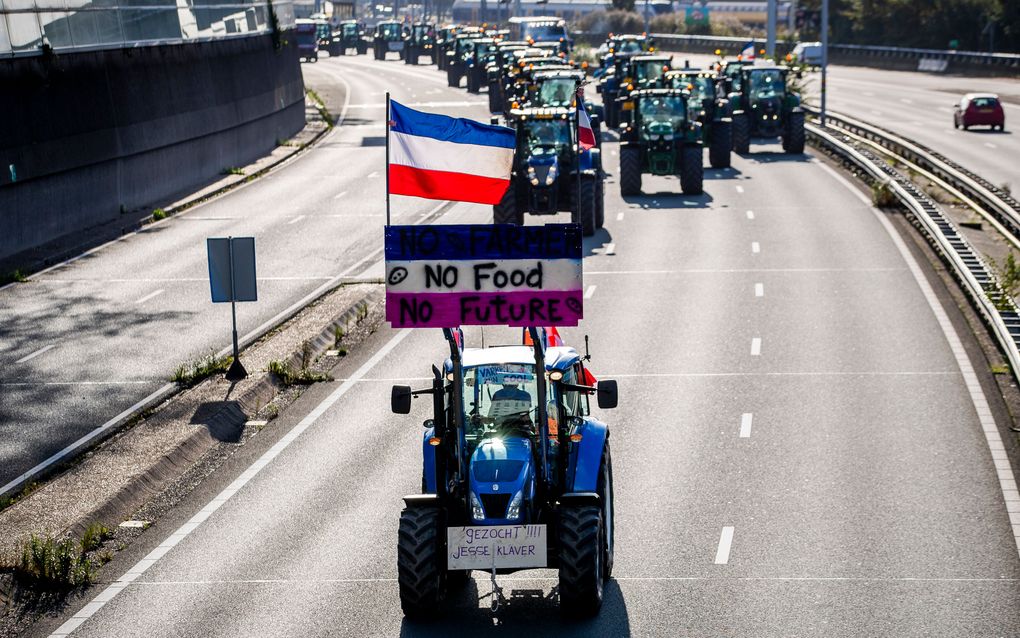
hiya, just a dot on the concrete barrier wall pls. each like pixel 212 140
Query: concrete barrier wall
pixel 85 136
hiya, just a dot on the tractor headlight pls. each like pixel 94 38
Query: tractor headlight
pixel 668 137
pixel 477 512
pixel 654 137
pixel 514 511
pixel 532 177
pixel 551 177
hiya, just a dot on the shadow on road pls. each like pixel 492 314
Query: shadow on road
pixel 597 241
pixel 772 157
pixel 224 419
pixel 669 200
pixel 529 612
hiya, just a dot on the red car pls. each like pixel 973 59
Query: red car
pixel 979 109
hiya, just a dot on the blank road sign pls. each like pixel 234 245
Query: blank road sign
pixel 232 256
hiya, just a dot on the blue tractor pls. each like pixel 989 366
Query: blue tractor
pixel 511 451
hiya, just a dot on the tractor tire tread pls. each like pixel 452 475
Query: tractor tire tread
pixel 580 583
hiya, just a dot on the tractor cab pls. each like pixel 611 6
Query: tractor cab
pixel 549 175
pixel 457 55
pixel 555 88
pixel 700 84
pixel 511 443
pixel 445 37
pixel 522 76
pixel 477 56
pixel 647 71
pixel 660 138
pixel 351 34
pixel 496 69
pixel 546 30
pixel 709 108
pixel 730 72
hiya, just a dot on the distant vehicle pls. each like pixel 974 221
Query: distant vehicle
pixel 306 32
pixel 808 53
pixel 979 109
pixel 541 29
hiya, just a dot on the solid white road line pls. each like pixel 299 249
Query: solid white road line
pixel 619 217
pixel 990 145
pixel 750 214
pixel 149 296
pixel 755 247
pixel 756 347
pixel 296 220
pixel 36 353
pixel 740 189
pixel 340 195
pixel 141 566
pixel 722 555
pixel 588 293
pixel 745 425
pixel 373 174
pixel 1003 469
pixel 610 249
pixel 759 290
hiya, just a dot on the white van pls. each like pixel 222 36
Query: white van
pixel 808 53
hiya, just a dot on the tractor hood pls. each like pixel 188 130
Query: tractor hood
pixel 501 479
pixel 655 129
pixel 543 169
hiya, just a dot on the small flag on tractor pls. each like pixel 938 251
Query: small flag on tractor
pixel 585 133
pixel 441 157
pixel 748 52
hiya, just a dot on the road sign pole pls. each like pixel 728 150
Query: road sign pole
pixel 825 54
pixel 236 372
pixel 770 43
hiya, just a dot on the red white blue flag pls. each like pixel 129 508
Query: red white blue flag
pixel 585 133
pixel 748 52
pixel 441 157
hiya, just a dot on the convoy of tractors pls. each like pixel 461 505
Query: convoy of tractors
pixel 495 459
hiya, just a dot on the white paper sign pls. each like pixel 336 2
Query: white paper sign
pixel 502 546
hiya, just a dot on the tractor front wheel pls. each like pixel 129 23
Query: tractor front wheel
pixel 793 136
pixel 630 171
pixel 741 133
pixel 722 144
pixel 473 86
pixel 507 211
pixel 452 77
pixel 605 492
pixel 494 105
pixel 692 172
pixel 580 531
pixel 600 203
pixel 420 572
pixel 583 211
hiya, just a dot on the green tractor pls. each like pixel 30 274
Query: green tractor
pixel 419 41
pixel 660 138
pixel 457 56
pixel 549 176
pixel 480 54
pixel 764 107
pixel 388 37
pixel 710 108
pixel 352 36
pixel 497 70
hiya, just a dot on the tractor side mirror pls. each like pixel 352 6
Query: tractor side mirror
pixel 606 391
pixel 400 399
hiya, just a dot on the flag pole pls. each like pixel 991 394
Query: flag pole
pixel 387 158
pixel 577 159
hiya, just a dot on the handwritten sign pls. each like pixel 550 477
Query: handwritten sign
pixel 502 546
pixel 445 276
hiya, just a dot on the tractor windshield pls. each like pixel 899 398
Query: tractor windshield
pixel 662 108
pixel 390 31
pixel 500 400
pixel 627 46
pixel 701 87
pixel 556 92
pixel 350 30
pixel 766 84
pixel 548 137
pixel 422 32
pixel 649 71
pixel 464 46
pixel 482 49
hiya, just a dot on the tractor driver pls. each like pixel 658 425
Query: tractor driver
pixel 509 400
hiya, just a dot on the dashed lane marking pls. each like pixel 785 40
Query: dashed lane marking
pixel 35 354
pixel 756 346
pixel 588 293
pixel 610 249
pixel 990 145
pixel 750 214
pixel 755 247
pixel 373 174
pixel 149 296
pixel 759 290
pixel 340 195
pixel 619 217
pixel 722 555
pixel 296 220
pixel 745 425
pixel 740 189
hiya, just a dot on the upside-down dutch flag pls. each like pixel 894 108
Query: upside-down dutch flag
pixel 748 52
pixel 440 157
pixel 585 133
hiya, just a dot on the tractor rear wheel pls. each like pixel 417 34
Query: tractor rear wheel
pixel 583 211
pixel 579 533
pixel 507 211
pixel 630 171
pixel 600 203
pixel 420 572
pixel 452 78
pixel 473 86
pixel 793 136
pixel 722 144
pixel 692 172
pixel 741 133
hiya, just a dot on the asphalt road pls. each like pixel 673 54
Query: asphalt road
pixel 86 341
pixel 863 499
pixel 920 107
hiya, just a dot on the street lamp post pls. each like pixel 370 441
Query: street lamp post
pixel 825 53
